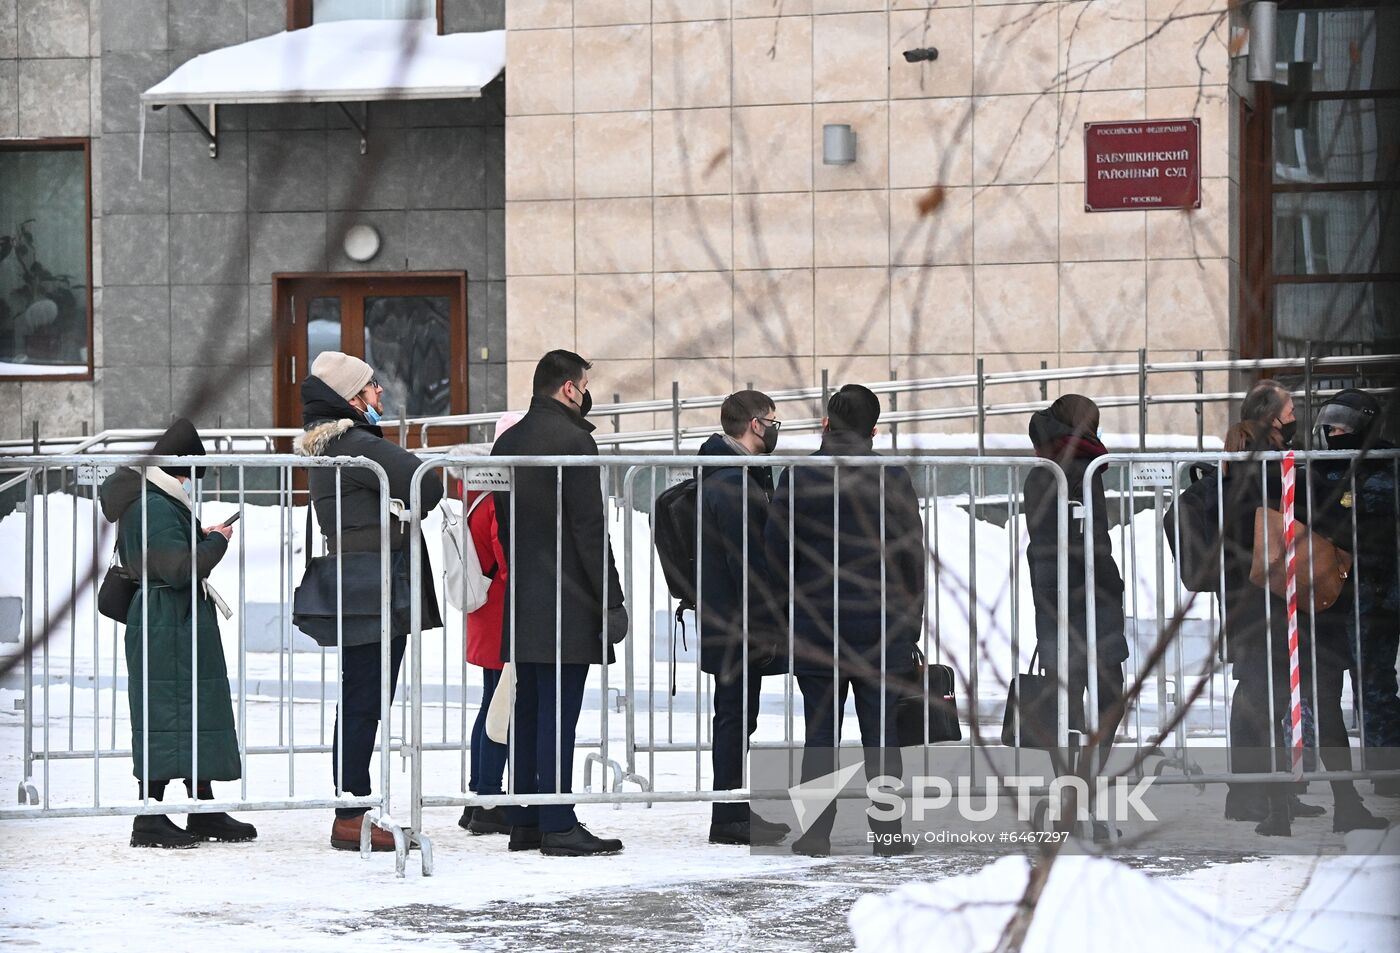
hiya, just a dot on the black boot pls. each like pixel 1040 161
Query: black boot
pixel 1278 823
pixel 1351 815
pixel 217 826
pixel 489 820
pixel 524 838
pixel 1300 808
pixel 220 827
pixel 1246 806
pixel 577 842
pixel 465 821
pixel 812 845
pixel 157 830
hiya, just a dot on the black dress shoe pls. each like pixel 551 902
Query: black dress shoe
pixel 157 830
pixel 489 820
pixel 1300 808
pixel 524 838
pixel 754 831
pixel 220 827
pixel 1246 808
pixel 812 845
pixel 894 848
pixel 465 821
pixel 1353 816
pixel 578 842
pixel 730 832
pixel 759 826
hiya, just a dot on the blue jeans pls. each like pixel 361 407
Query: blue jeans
pixel 536 745
pixel 488 757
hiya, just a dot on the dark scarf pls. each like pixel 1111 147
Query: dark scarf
pixel 319 403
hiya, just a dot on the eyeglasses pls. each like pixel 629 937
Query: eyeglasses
pixel 374 382
pixel 771 421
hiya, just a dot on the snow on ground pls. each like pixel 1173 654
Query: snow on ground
pixel 1090 904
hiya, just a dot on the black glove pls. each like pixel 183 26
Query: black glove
pixel 617 623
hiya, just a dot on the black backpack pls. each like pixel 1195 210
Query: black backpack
pixel 673 526
pixel 1195 517
pixel 673 529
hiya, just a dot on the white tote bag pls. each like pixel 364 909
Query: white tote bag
pixel 466 584
pixel 498 715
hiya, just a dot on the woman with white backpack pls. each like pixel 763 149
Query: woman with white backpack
pixel 483 624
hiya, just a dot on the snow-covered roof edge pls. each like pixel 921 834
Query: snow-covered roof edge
pixel 343 61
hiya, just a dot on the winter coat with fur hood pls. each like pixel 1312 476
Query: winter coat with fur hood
pixel 335 429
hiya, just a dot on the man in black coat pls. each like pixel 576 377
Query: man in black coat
pixel 856 630
pixel 1067 433
pixel 341 404
pixel 737 611
pixel 562 578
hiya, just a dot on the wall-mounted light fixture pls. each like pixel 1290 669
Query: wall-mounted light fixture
pixel 361 243
pixel 1263 24
pixel 838 144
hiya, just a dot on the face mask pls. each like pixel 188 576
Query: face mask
pixel 1288 431
pixel 372 414
pixel 187 485
pixel 770 438
pixel 585 405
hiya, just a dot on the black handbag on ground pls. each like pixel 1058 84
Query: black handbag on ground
pixel 940 705
pixel 1033 696
pixel 318 610
pixel 117 592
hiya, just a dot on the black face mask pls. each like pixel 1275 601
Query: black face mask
pixel 1288 431
pixel 1341 441
pixel 585 405
pixel 770 438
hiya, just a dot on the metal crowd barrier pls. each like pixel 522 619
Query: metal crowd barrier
pixel 980 605
pixel 1190 698
pixel 61 681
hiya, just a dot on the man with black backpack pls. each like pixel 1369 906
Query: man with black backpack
pixel 738 620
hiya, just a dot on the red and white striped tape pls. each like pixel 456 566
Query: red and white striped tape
pixel 1295 702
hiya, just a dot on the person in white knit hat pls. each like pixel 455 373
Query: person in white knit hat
pixel 341 406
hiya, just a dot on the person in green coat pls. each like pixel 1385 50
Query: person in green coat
pixel 184 723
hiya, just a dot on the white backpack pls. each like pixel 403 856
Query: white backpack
pixel 466 584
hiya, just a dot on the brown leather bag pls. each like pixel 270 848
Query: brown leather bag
pixel 1330 564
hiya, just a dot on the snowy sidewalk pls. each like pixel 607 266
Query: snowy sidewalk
pixel 76 885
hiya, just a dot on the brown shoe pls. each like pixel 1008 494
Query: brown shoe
pixel 345 835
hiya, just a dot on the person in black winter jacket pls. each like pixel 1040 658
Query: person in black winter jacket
pixel 1067 433
pixel 561 564
pixel 860 637
pixel 1351 502
pixel 341 403
pixel 737 609
pixel 1256 642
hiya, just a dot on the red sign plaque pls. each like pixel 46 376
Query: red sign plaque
pixel 1142 164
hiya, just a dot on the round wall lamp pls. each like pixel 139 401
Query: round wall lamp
pixel 361 243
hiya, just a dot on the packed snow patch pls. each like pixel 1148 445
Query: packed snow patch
pixel 1098 905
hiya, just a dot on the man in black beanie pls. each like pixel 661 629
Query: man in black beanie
pixel 855 633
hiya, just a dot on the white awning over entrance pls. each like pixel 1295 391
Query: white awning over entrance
pixel 345 61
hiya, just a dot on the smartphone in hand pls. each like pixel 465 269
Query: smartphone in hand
pixel 231 520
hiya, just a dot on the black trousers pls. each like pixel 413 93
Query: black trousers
pixel 1110 685
pixel 1260 743
pixel 537 745
pixel 731 733
pixel 359 685
pixel 823 709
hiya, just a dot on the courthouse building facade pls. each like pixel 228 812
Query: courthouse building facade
pixel 709 192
